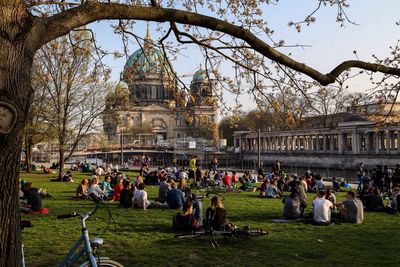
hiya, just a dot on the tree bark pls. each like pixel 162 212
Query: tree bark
pixel 15 97
pixel 28 154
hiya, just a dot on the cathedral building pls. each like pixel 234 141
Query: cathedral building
pixel 147 100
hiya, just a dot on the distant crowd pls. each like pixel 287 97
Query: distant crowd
pixel 175 191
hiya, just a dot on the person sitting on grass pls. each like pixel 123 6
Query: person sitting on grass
pixel 322 209
pixel 117 190
pixel 291 209
pixel 351 210
pixel 185 221
pixel 216 215
pixel 272 190
pixel 95 188
pixel 263 188
pixel 246 184
pixel 182 185
pixel 393 206
pixel 235 178
pixel 197 206
pixel 34 200
pixel 175 197
pixel 140 198
pixel 227 180
pixel 107 186
pixel 319 182
pixel 163 189
pixel 331 197
pixel 127 194
pixel 376 200
pixel 335 184
pixel 82 189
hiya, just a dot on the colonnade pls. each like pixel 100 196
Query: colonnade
pixel 367 140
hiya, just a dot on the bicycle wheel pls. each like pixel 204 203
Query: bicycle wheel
pixel 104 263
pixel 215 194
pixel 256 232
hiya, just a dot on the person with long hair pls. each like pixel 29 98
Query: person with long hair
pixel 82 189
pixel 216 215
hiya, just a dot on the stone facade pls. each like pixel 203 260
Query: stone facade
pixel 147 99
pixel 352 141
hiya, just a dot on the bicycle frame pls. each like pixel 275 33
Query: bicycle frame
pixel 72 256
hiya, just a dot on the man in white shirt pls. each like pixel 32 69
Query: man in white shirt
pixel 322 208
pixel 140 197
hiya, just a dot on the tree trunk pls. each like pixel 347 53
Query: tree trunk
pixel 15 97
pixel 28 152
pixel 61 163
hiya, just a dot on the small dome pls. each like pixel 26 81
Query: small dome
pixel 354 117
pixel 200 75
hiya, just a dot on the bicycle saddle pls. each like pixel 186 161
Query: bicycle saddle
pixel 96 242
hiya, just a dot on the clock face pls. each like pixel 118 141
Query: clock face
pixel 8 117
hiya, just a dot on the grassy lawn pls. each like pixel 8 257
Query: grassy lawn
pixel 144 238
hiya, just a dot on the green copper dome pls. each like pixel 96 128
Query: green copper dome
pixel 147 61
pixel 200 75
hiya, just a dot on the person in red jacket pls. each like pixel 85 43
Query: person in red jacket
pixel 227 180
pixel 117 190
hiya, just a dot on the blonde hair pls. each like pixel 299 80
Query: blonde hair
pixel 216 203
pixel 182 184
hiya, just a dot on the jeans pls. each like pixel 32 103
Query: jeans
pixel 198 211
pixel 360 183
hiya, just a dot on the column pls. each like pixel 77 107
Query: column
pixel 398 139
pixel 332 144
pixel 387 142
pixel 317 148
pixel 376 135
pixel 340 142
pixel 367 142
pixel 355 143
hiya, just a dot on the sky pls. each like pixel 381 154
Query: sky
pixel 328 44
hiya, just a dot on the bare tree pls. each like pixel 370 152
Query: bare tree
pixel 236 31
pixel 74 90
pixel 37 128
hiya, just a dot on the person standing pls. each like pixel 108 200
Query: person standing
pixel 360 175
pixel 192 167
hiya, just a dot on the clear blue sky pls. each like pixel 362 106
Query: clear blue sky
pixel 330 44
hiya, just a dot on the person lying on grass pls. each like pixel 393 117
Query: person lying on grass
pixel 185 221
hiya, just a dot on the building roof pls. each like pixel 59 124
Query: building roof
pixel 354 117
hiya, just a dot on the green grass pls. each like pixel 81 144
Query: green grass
pixel 144 238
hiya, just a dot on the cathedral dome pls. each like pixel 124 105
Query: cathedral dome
pixel 147 61
pixel 200 76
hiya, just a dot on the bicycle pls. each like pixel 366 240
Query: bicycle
pixel 90 246
pixel 245 232
pixel 24 224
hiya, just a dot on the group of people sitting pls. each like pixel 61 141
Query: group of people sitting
pixel 188 220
